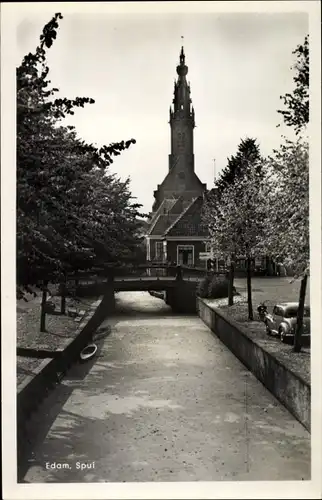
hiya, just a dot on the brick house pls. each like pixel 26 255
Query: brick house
pixel 175 233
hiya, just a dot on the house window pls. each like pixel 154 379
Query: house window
pixel 148 249
pixel 185 255
pixel 165 253
pixel 158 250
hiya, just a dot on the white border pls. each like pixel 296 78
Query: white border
pixel 12 490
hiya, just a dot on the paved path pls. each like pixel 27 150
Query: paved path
pixel 165 400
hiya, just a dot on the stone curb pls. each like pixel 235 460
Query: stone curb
pixel 288 387
pixel 32 390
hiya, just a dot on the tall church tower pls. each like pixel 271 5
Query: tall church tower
pixel 181 180
pixel 182 123
pixel 176 232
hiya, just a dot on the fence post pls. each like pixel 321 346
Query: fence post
pixel 43 307
pixel 231 281
pixel 179 273
pixel 63 294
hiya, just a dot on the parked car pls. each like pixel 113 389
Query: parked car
pixel 282 321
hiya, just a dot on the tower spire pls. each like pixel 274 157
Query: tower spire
pixel 182 56
pixel 182 122
pixel 182 101
pixel 182 69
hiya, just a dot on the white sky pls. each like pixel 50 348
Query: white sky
pixel 239 65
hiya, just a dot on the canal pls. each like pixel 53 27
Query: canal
pixel 164 400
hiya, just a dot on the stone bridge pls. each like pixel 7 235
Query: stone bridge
pixel 178 282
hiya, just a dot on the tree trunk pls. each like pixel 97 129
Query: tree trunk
pixel 269 266
pixel 231 281
pixel 63 296
pixel 300 314
pixel 76 279
pixel 249 289
pixel 43 308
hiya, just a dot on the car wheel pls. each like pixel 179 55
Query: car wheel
pixel 282 335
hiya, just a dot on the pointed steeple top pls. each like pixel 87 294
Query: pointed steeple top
pixel 181 101
pixel 182 69
pixel 182 57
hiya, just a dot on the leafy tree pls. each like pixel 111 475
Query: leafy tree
pixel 247 149
pixel 291 167
pixel 286 233
pixel 110 218
pixel 71 212
pixel 297 103
pixel 287 195
pixel 234 211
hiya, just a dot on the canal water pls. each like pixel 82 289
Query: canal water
pixel 164 400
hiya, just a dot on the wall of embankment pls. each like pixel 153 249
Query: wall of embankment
pixel 36 386
pixel 287 386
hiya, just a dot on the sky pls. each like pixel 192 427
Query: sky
pixel 239 64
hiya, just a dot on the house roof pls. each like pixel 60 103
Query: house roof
pixel 189 222
pixel 189 228
pixel 161 224
pixel 168 222
pixel 165 207
pixel 179 217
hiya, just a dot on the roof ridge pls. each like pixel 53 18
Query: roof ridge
pixel 160 216
pixel 181 215
pixel 154 223
pixel 158 212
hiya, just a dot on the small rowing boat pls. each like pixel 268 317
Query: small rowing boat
pixel 88 352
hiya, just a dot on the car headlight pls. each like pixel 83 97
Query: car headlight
pixel 285 327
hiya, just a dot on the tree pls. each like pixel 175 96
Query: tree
pixel 247 149
pixel 216 214
pixel 286 233
pixel 50 157
pixel 292 165
pixel 297 113
pixel 287 193
pixel 109 218
pixel 235 214
pixel 71 211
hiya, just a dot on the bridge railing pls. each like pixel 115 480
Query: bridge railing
pixel 140 271
pixel 152 270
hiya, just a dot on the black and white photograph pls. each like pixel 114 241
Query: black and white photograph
pixel 161 249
